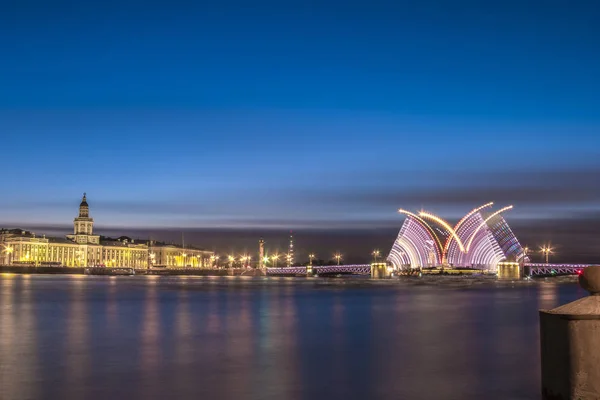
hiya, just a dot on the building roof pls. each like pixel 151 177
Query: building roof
pixel 60 240
pixel 83 202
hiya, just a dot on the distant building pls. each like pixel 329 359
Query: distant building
pixel 84 249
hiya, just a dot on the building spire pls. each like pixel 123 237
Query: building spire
pixel 83 207
pixel 290 255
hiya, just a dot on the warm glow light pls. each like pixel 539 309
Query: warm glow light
pixel 426 226
pixel 484 223
pixel 446 226
pixel 458 225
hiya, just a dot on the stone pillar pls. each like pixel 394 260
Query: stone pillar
pixel 380 271
pixel 570 345
pixel 510 271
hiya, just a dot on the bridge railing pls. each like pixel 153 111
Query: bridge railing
pixel 356 269
pixel 541 269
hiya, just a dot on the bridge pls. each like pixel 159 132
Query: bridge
pixel 540 269
pixel 350 269
pixel 531 269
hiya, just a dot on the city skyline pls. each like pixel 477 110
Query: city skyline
pixel 231 123
pixel 352 243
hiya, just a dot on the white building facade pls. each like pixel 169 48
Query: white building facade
pixel 84 249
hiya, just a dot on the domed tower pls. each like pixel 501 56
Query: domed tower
pixel 84 209
pixel 83 225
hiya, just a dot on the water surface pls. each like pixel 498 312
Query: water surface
pixel 93 337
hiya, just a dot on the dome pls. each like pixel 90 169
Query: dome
pixel 83 202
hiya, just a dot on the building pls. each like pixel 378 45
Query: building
pixel 481 239
pixel 84 249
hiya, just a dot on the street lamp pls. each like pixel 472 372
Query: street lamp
pixel 244 259
pixel 546 250
pixel 338 257
pixel 311 257
pixel 275 258
pixel 265 260
pixel 375 254
pixel 231 260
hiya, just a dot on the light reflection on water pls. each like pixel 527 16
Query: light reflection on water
pixel 74 337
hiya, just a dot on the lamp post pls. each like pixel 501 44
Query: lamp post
pixel 338 257
pixel 546 250
pixel 311 257
pixel 244 259
pixel 275 258
pixel 375 254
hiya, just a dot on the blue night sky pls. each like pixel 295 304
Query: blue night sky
pixel 300 115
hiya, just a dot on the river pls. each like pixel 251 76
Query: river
pixel 95 337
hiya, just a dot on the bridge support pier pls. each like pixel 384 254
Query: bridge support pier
pixel 380 271
pixel 510 270
pixel 570 345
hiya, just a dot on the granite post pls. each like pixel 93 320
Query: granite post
pixel 570 345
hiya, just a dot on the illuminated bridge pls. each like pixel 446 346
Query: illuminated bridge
pixel 351 269
pixel 481 239
pixel 533 269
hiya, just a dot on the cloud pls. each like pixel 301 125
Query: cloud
pixel 534 189
pixel 574 239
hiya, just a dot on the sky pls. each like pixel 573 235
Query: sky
pixel 232 120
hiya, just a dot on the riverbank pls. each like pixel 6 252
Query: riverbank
pixel 81 271
pixel 442 281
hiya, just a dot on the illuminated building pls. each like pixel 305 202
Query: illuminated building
pixel 481 239
pixel 84 249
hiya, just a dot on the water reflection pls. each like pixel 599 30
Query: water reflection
pixel 112 306
pixel 76 339
pixel 18 338
pixel 150 345
pixel 230 338
pixel 548 295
